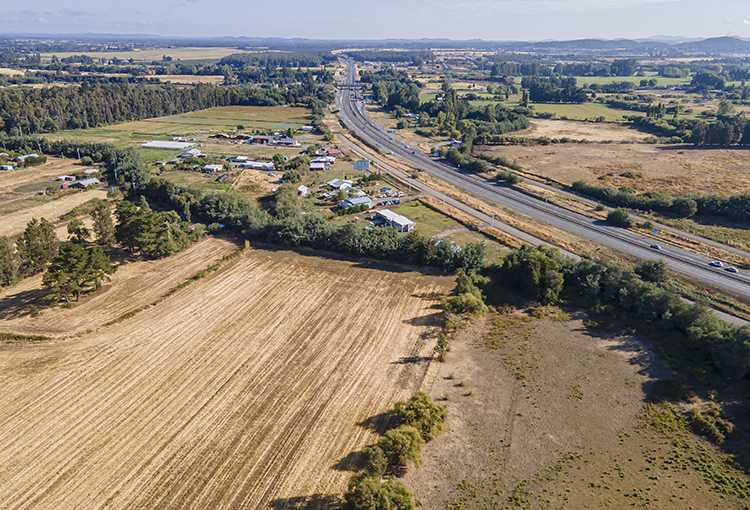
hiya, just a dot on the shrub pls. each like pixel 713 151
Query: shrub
pixel 422 413
pixel 620 218
pixel 402 444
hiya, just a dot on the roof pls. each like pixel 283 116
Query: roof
pixel 171 145
pixel 65 177
pixel 302 188
pixel 394 217
pixel 337 183
pixel 87 182
pixel 213 167
pixel 91 171
pixel 358 201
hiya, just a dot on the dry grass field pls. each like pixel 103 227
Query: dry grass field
pixel 14 223
pixel 46 172
pixel 189 78
pixel 547 414
pixel 677 169
pixel 592 131
pixel 247 389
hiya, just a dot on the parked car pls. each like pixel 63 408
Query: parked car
pixel 731 269
pixel 655 247
pixel 715 263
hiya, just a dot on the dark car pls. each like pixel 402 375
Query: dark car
pixel 655 247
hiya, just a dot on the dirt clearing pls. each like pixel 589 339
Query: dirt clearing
pixel 593 132
pixel 545 413
pixel 677 169
pixel 243 390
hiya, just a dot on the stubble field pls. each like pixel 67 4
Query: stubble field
pixel 247 389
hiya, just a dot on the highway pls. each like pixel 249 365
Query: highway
pixel 353 113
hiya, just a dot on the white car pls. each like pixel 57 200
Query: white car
pixel 715 263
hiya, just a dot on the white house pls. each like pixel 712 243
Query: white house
pixel 212 169
pixel 90 171
pixel 303 190
pixel 340 184
pixel 306 128
pixel 6 168
pixel 66 178
pixel 400 223
pixel 191 152
pixel 258 165
pixel 317 167
pixel 353 202
pixel 326 160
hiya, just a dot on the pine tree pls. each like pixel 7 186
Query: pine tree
pixel 38 245
pixel 103 226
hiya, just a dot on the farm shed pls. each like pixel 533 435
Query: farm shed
pixel 326 160
pixel 340 184
pixel 85 183
pixel 191 152
pixel 257 165
pixel 212 169
pixel 66 178
pixel 259 139
pixel 333 152
pixel 306 128
pixel 6 168
pixel 167 145
pixel 353 202
pixel 21 159
pixel 90 171
pixel 287 141
pixel 317 167
pixel 400 223
pixel 302 189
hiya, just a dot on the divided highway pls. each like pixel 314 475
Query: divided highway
pixel 353 112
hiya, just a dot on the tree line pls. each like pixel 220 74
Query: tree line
pixel 416 58
pixel 554 90
pixel 47 110
pixel 736 207
pixel 280 59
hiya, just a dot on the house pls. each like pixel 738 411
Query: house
pixel 21 159
pixel 6 168
pixel 167 146
pixel 456 143
pixel 391 219
pixel 66 178
pixel 222 178
pixel 212 169
pixel 306 128
pixel 260 139
pixel 90 171
pixel 85 183
pixel 287 141
pixel 328 160
pixel 340 184
pixel 237 159
pixel 317 167
pixel 258 165
pixel 303 190
pixel 190 153
pixel 354 202
pixel 333 152
pixel 173 161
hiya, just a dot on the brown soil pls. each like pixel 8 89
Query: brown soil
pixel 580 131
pixel 547 413
pixel 676 169
pixel 243 390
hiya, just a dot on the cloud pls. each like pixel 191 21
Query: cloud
pixel 68 12
pixel 745 22
pixel 513 6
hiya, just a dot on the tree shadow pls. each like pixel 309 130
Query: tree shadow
pixel 25 303
pixel 406 360
pixel 379 423
pixel 313 502
pixel 350 462
pixel 432 319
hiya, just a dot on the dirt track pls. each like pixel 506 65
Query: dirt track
pixel 243 390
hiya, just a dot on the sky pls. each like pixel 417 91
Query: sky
pixel 492 20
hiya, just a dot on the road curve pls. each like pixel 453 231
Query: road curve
pixel 353 113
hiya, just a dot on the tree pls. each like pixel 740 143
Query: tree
pixel 287 201
pixel 653 270
pixel 534 271
pixel 725 108
pixel 402 444
pixel 278 162
pixel 374 461
pixel 365 492
pixel 471 258
pixel 126 231
pixel 38 245
pixel 422 413
pixel 620 217
pixel 103 227
pixel 77 231
pixel 10 262
pixel 76 268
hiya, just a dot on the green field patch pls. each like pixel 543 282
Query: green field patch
pixel 429 221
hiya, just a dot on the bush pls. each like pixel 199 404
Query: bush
pixel 653 270
pixel 620 217
pixel 464 303
pixel 402 444
pixel 423 414
pixel 374 462
pixel 365 492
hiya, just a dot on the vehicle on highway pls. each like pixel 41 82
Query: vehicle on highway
pixel 715 263
pixel 655 247
pixel 731 269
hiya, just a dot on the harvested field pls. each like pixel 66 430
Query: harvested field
pixel 136 284
pixel 546 413
pixel 593 132
pixel 677 169
pixel 14 223
pixel 243 390
pixel 46 172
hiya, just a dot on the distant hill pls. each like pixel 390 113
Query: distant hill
pixel 716 45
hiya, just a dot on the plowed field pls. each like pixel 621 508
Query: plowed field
pixel 246 389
